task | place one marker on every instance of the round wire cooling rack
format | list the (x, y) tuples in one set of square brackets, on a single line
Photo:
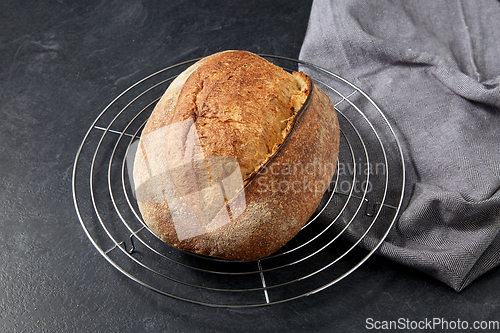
[(353, 219)]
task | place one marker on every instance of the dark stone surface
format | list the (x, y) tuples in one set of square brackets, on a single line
[(61, 63)]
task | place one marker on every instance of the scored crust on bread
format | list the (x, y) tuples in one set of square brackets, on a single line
[(235, 157)]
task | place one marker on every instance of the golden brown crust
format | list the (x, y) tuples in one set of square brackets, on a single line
[(227, 98), (240, 104)]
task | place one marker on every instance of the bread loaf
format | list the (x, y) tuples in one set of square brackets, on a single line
[(235, 157)]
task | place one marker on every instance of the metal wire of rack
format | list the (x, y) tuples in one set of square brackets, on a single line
[(355, 216)]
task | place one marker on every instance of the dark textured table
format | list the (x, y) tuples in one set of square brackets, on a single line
[(62, 62)]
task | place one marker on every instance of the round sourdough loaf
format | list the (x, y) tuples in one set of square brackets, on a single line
[(235, 157)]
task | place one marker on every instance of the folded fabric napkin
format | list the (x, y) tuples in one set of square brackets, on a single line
[(433, 68)]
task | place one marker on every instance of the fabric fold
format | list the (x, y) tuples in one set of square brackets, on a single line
[(433, 69)]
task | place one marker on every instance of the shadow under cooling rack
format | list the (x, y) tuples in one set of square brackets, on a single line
[(353, 219)]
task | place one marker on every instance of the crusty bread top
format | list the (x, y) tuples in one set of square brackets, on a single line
[(241, 104)]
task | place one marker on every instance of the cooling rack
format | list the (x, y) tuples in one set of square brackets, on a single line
[(356, 213)]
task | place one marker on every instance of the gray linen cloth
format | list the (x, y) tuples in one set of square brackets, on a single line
[(433, 67)]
